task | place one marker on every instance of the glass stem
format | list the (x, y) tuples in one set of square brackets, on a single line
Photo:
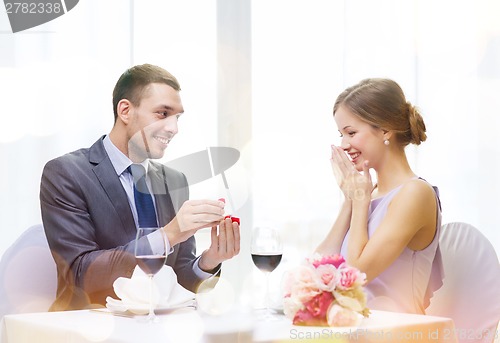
[(151, 311), (268, 298)]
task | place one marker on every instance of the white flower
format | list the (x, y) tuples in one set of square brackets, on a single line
[(339, 316), (291, 306), (348, 302)]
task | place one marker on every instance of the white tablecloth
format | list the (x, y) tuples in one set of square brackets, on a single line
[(192, 326)]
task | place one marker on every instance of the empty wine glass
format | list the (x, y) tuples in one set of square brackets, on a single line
[(150, 259), (267, 251)]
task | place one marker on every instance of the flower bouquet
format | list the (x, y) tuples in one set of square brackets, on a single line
[(325, 291)]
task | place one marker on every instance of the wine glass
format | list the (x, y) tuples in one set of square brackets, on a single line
[(150, 259), (266, 250)]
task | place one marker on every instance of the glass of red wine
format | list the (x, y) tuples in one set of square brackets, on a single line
[(266, 250), (150, 255)]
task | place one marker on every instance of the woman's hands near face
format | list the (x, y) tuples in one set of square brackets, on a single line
[(355, 185)]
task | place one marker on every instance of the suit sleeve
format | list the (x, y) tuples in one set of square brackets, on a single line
[(185, 255), (86, 270)]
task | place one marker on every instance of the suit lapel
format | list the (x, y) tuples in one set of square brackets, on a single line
[(111, 185), (164, 205)]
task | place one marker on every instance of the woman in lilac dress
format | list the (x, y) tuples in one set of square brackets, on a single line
[(389, 229)]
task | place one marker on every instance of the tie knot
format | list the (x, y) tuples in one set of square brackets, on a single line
[(137, 171)]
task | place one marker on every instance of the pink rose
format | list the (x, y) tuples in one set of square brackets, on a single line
[(327, 276), (315, 310), (349, 277), (301, 284), (335, 260)]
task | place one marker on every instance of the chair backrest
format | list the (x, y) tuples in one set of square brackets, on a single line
[(28, 276), (470, 294)]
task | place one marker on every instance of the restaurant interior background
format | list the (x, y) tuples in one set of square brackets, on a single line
[(261, 77)]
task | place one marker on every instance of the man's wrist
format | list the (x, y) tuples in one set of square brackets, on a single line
[(208, 268), (169, 234), (213, 270)]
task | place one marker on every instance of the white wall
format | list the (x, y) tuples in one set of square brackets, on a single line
[(445, 55)]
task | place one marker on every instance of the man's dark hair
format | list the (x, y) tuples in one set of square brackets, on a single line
[(133, 83)]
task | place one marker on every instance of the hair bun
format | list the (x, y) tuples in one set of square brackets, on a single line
[(417, 125)]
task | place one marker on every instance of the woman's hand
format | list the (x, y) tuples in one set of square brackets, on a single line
[(356, 186)]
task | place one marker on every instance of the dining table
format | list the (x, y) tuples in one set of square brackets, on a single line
[(186, 325)]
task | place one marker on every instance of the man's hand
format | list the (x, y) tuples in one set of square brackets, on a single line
[(225, 245), (192, 216)]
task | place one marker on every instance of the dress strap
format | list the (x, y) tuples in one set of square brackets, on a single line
[(436, 191)]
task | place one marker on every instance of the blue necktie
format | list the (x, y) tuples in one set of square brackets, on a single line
[(143, 201)]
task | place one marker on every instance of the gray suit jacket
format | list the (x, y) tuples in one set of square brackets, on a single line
[(90, 227)]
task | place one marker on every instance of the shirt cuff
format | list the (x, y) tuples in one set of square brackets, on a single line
[(202, 274), (157, 246)]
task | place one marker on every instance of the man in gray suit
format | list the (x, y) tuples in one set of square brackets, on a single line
[(87, 198)]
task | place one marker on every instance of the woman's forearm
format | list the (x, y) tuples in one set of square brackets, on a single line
[(358, 233), (333, 241)]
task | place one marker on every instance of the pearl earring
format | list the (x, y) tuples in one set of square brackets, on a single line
[(386, 142)]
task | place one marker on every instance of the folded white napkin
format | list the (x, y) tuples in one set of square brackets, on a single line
[(134, 292)]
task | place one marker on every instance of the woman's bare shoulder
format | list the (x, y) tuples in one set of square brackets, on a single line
[(418, 191)]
